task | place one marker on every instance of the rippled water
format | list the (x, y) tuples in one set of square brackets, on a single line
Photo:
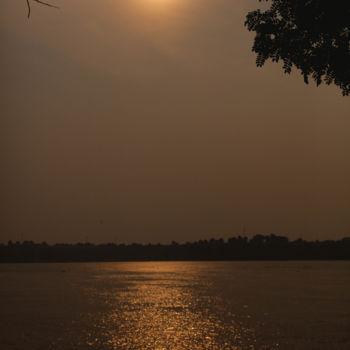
[(175, 305)]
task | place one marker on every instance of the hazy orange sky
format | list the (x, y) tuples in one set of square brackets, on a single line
[(148, 121)]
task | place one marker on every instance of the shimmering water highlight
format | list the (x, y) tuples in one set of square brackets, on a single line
[(176, 305)]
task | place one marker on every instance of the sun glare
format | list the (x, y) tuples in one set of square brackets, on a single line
[(161, 3)]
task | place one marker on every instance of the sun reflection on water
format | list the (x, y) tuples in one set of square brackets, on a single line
[(188, 305), (162, 309)]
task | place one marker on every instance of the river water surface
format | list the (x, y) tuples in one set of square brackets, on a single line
[(175, 305)]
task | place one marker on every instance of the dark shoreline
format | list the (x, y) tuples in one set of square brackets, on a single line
[(259, 248), (18, 262)]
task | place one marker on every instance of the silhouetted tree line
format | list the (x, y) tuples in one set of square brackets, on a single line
[(260, 247)]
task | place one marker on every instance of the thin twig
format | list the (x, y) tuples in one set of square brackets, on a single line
[(28, 5), (45, 3), (39, 2)]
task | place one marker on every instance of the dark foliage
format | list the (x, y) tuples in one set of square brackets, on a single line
[(312, 35), (260, 247)]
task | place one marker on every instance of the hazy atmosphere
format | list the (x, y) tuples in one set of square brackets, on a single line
[(148, 121)]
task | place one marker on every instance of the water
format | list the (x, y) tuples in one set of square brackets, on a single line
[(175, 305)]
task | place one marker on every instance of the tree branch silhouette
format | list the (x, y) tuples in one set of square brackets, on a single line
[(312, 35), (39, 2)]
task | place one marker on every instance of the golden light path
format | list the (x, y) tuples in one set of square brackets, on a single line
[(160, 307)]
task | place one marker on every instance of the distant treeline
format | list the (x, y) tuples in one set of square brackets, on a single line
[(260, 247)]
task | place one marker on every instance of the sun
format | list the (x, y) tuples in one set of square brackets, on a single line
[(159, 6), (161, 2)]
